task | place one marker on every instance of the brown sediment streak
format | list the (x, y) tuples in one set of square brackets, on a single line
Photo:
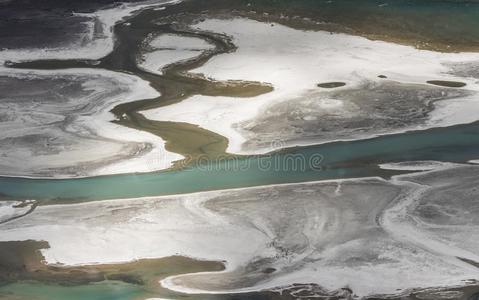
[(175, 85), (331, 85), (445, 83), (469, 261), (22, 260), (24, 203)]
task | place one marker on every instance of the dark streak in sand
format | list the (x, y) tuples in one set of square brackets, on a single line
[(175, 85), (22, 260), (445, 83), (331, 85), (32, 208)]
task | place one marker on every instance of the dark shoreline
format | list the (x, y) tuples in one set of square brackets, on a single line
[(396, 22), (175, 84)]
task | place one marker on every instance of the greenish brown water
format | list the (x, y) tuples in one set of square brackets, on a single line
[(24, 275)]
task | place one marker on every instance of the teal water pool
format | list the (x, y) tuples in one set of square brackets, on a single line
[(328, 161)]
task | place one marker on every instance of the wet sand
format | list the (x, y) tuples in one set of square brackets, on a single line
[(58, 125), (297, 113), (21, 261), (336, 238), (11, 210), (205, 142), (176, 84)]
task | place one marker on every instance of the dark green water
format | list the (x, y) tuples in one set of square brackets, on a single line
[(334, 160), (453, 23)]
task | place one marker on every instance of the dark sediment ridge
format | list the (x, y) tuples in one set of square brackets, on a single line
[(331, 85), (22, 261), (445, 83), (175, 84)]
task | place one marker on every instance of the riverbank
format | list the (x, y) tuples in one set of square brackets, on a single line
[(297, 112), (181, 133), (387, 230)]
